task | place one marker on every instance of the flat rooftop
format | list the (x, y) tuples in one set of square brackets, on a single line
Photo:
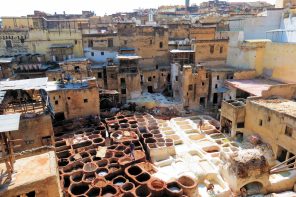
[(284, 106), (24, 84), (252, 86), (53, 85), (30, 170)]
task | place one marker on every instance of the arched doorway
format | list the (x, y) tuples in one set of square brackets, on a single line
[(252, 188)]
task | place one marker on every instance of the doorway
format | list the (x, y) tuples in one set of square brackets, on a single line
[(215, 98), (252, 188), (59, 116), (150, 89)]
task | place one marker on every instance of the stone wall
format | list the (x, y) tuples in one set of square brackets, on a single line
[(76, 102)]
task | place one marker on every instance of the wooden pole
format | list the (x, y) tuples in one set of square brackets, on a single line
[(280, 164)]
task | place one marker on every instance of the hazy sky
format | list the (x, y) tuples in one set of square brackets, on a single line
[(24, 7)]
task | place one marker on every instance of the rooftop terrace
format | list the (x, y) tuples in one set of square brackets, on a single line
[(284, 106), (254, 87), (40, 168)]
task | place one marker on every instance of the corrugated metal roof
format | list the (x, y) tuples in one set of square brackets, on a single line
[(128, 56), (2, 94), (6, 59), (26, 84), (9, 122), (181, 51), (61, 46)]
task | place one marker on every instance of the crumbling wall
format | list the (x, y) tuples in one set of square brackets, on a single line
[(34, 131), (287, 91), (18, 42), (76, 102), (194, 85), (211, 50), (155, 78)]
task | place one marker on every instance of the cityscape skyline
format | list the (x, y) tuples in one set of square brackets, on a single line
[(27, 7)]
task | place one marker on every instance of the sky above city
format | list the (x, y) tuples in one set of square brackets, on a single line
[(24, 7)]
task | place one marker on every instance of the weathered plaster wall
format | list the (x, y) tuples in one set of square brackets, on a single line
[(76, 102), (158, 80), (287, 91), (210, 50), (178, 31), (39, 41), (193, 85), (151, 43), (17, 39), (32, 130), (133, 85), (204, 33), (273, 126), (280, 59)]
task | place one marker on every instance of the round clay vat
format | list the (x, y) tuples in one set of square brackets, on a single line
[(142, 129), (119, 181), (124, 160), (160, 140), (174, 189), (134, 126), (113, 160), (122, 121), (99, 182), (156, 187), (143, 178), (149, 140), (134, 170), (102, 163), (152, 145), (152, 126), (109, 154), (109, 191), (147, 135), (142, 190), (160, 144), (101, 128), (120, 148), (119, 154), (99, 141), (112, 147), (120, 117), (63, 162), (89, 177), (86, 160), (92, 152), (188, 185), (128, 186), (155, 131), (95, 191), (101, 172), (73, 167), (157, 136), (124, 125), (77, 189), (90, 167), (113, 167), (132, 122)]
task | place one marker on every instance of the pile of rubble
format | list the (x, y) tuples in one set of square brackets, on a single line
[(244, 162)]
